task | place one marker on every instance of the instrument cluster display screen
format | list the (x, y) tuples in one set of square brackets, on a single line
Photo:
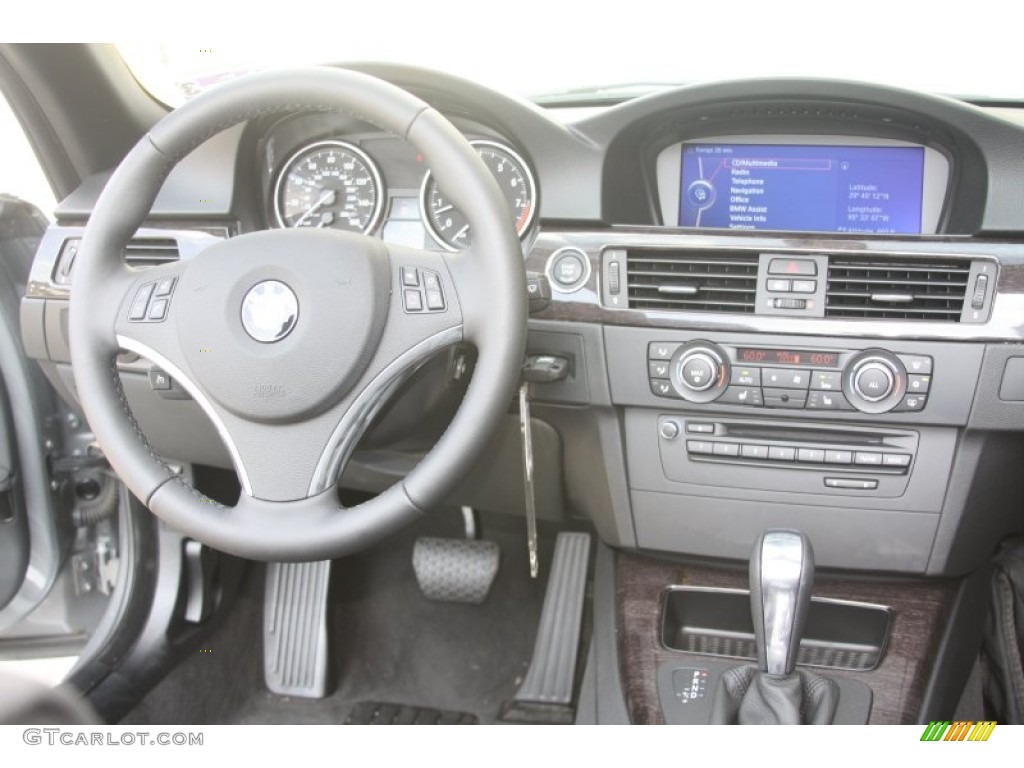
[(762, 356), (805, 188)]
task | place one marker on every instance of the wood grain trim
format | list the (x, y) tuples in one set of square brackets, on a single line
[(919, 612)]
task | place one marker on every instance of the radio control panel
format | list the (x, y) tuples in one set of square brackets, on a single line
[(770, 454), (871, 381)]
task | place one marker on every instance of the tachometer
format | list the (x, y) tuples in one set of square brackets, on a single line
[(450, 228), (330, 184)]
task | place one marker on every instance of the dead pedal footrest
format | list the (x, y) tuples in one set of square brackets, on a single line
[(549, 680)]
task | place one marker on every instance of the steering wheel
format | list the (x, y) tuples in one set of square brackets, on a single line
[(291, 340)]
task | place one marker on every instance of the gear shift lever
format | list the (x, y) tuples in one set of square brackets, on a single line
[(775, 692), (781, 578)]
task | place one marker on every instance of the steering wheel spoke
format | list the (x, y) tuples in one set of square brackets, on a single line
[(145, 316), (424, 317)]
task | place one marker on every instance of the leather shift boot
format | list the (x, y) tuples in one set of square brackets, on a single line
[(747, 696)]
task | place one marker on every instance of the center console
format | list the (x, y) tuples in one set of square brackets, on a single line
[(823, 383)]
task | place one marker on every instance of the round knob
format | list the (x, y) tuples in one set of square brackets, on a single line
[(873, 380), (698, 371), (669, 430)]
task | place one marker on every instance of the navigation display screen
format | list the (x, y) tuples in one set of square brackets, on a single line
[(806, 188)]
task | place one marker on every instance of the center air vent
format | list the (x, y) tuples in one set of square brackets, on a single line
[(691, 281), (151, 251), (932, 290)]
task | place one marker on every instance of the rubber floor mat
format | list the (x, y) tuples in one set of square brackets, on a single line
[(374, 713)]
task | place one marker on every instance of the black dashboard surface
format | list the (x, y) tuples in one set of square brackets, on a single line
[(600, 168)]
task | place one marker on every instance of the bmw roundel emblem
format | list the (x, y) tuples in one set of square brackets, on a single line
[(269, 311)]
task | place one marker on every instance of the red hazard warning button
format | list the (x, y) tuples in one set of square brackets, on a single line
[(792, 267)]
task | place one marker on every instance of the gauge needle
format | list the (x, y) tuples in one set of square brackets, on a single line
[(523, 218), (326, 198)]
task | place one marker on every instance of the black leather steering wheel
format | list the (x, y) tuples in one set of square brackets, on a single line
[(291, 340)]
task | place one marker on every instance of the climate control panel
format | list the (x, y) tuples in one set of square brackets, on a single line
[(870, 381)]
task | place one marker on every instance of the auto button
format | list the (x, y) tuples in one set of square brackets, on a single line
[(746, 377)]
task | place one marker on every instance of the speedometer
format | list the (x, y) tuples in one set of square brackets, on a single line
[(450, 228), (329, 184)]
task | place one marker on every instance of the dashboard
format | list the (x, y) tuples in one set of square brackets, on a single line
[(782, 302)]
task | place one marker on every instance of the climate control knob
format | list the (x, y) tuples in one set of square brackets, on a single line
[(699, 371), (874, 381)]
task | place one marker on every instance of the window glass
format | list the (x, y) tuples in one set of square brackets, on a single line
[(20, 172), (536, 48)]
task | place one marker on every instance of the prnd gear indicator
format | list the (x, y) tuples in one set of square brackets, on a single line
[(689, 684)]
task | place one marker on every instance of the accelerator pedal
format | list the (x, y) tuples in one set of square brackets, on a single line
[(295, 629), (546, 694), (455, 570)]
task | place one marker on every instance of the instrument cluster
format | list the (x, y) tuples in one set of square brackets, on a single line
[(374, 184)]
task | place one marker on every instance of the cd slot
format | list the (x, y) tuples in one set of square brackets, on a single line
[(800, 435)]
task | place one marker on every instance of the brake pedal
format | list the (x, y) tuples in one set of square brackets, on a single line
[(455, 570), (295, 629)]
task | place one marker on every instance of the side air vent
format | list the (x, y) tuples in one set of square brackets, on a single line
[(149, 248), (931, 290), (140, 252), (151, 251), (691, 281)]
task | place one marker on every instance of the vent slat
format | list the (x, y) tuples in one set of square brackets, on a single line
[(720, 289), (701, 302), (693, 262), (877, 266), (677, 275), (917, 296), (892, 311), (151, 251), (933, 290), (721, 284), (906, 283)]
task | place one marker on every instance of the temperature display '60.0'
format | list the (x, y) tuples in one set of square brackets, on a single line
[(761, 356)]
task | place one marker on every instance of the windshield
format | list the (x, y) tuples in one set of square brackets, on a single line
[(578, 54)]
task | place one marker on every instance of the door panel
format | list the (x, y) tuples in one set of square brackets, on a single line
[(13, 523), (29, 542)]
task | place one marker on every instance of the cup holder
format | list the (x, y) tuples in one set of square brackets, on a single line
[(711, 621)]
